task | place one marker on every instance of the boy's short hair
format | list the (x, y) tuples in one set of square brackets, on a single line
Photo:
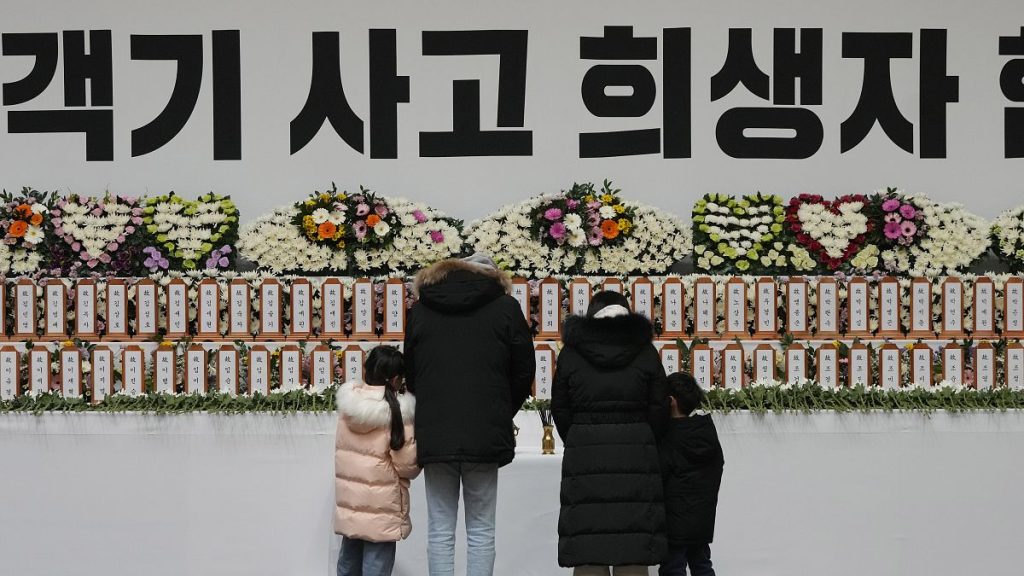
[(688, 394)]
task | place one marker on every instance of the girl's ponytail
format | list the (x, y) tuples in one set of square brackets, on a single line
[(382, 366), (397, 426)]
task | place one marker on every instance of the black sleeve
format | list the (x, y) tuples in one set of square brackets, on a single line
[(524, 362), (658, 407), (409, 352), (561, 400)]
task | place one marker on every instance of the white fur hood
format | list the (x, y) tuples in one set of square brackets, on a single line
[(365, 406)]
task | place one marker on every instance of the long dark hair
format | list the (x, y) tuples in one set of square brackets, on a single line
[(604, 299), (382, 365)]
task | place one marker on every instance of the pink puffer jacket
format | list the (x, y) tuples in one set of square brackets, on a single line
[(372, 480)]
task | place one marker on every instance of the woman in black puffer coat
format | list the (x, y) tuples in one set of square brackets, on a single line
[(610, 404)]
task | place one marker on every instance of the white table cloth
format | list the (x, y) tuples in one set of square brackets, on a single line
[(129, 494)]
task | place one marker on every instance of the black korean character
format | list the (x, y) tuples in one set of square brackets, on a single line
[(877, 103), (95, 65), (790, 64), (186, 50), (618, 43), (1011, 81), (327, 102), (466, 138)]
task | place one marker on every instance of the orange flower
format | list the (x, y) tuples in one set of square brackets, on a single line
[(18, 228), (372, 220), (610, 229), (24, 210), (36, 219), (326, 230)]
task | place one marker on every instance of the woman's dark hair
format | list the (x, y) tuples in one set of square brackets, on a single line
[(603, 299), (684, 388), (382, 365)]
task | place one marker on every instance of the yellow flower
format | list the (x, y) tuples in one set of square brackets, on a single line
[(310, 203), (619, 208), (325, 197), (607, 198), (743, 265), (910, 345), (167, 343), (836, 343), (625, 225), (588, 198), (68, 343)]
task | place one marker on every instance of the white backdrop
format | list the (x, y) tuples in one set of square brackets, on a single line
[(275, 71), (886, 494)]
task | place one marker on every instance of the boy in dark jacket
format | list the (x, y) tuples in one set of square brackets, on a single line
[(691, 466)]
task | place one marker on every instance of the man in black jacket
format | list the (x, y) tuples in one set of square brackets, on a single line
[(691, 464), (470, 362)]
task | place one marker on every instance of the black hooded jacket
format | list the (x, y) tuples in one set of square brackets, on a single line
[(692, 464), (610, 403), (469, 360)]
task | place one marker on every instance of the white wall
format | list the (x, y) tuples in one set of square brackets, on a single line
[(275, 38)]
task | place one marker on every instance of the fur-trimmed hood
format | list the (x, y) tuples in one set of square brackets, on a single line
[(455, 285), (365, 408), (608, 342)]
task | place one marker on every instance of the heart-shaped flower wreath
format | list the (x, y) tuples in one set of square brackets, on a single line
[(832, 230), (190, 234), (100, 234)]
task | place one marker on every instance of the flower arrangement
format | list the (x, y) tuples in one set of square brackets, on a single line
[(831, 231), (582, 217), (1008, 238), (184, 234), (744, 235), (97, 234), (520, 236), (954, 239), (899, 219), (363, 233), (340, 221), (25, 221)]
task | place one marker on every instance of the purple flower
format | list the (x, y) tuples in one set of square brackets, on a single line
[(572, 203), (381, 210), (553, 214), (908, 211), (362, 209), (105, 258), (112, 246), (419, 216), (76, 246), (909, 228), (437, 236), (891, 205), (595, 205), (360, 229), (892, 217), (893, 231), (120, 239), (557, 230), (225, 249), (593, 219), (595, 237), (129, 229)]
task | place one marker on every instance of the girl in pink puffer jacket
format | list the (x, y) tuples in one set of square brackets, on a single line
[(374, 460)]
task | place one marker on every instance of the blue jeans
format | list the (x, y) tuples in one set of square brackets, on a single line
[(480, 492), (697, 557), (362, 558)]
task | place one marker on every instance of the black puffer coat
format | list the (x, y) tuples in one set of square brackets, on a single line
[(469, 360), (610, 402), (692, 464)]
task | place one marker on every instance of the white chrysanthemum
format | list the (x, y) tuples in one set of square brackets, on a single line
[(1008, 233)]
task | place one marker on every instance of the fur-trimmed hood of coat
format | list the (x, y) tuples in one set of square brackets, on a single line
[(365, 408), (456, 286), (608, 342)]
